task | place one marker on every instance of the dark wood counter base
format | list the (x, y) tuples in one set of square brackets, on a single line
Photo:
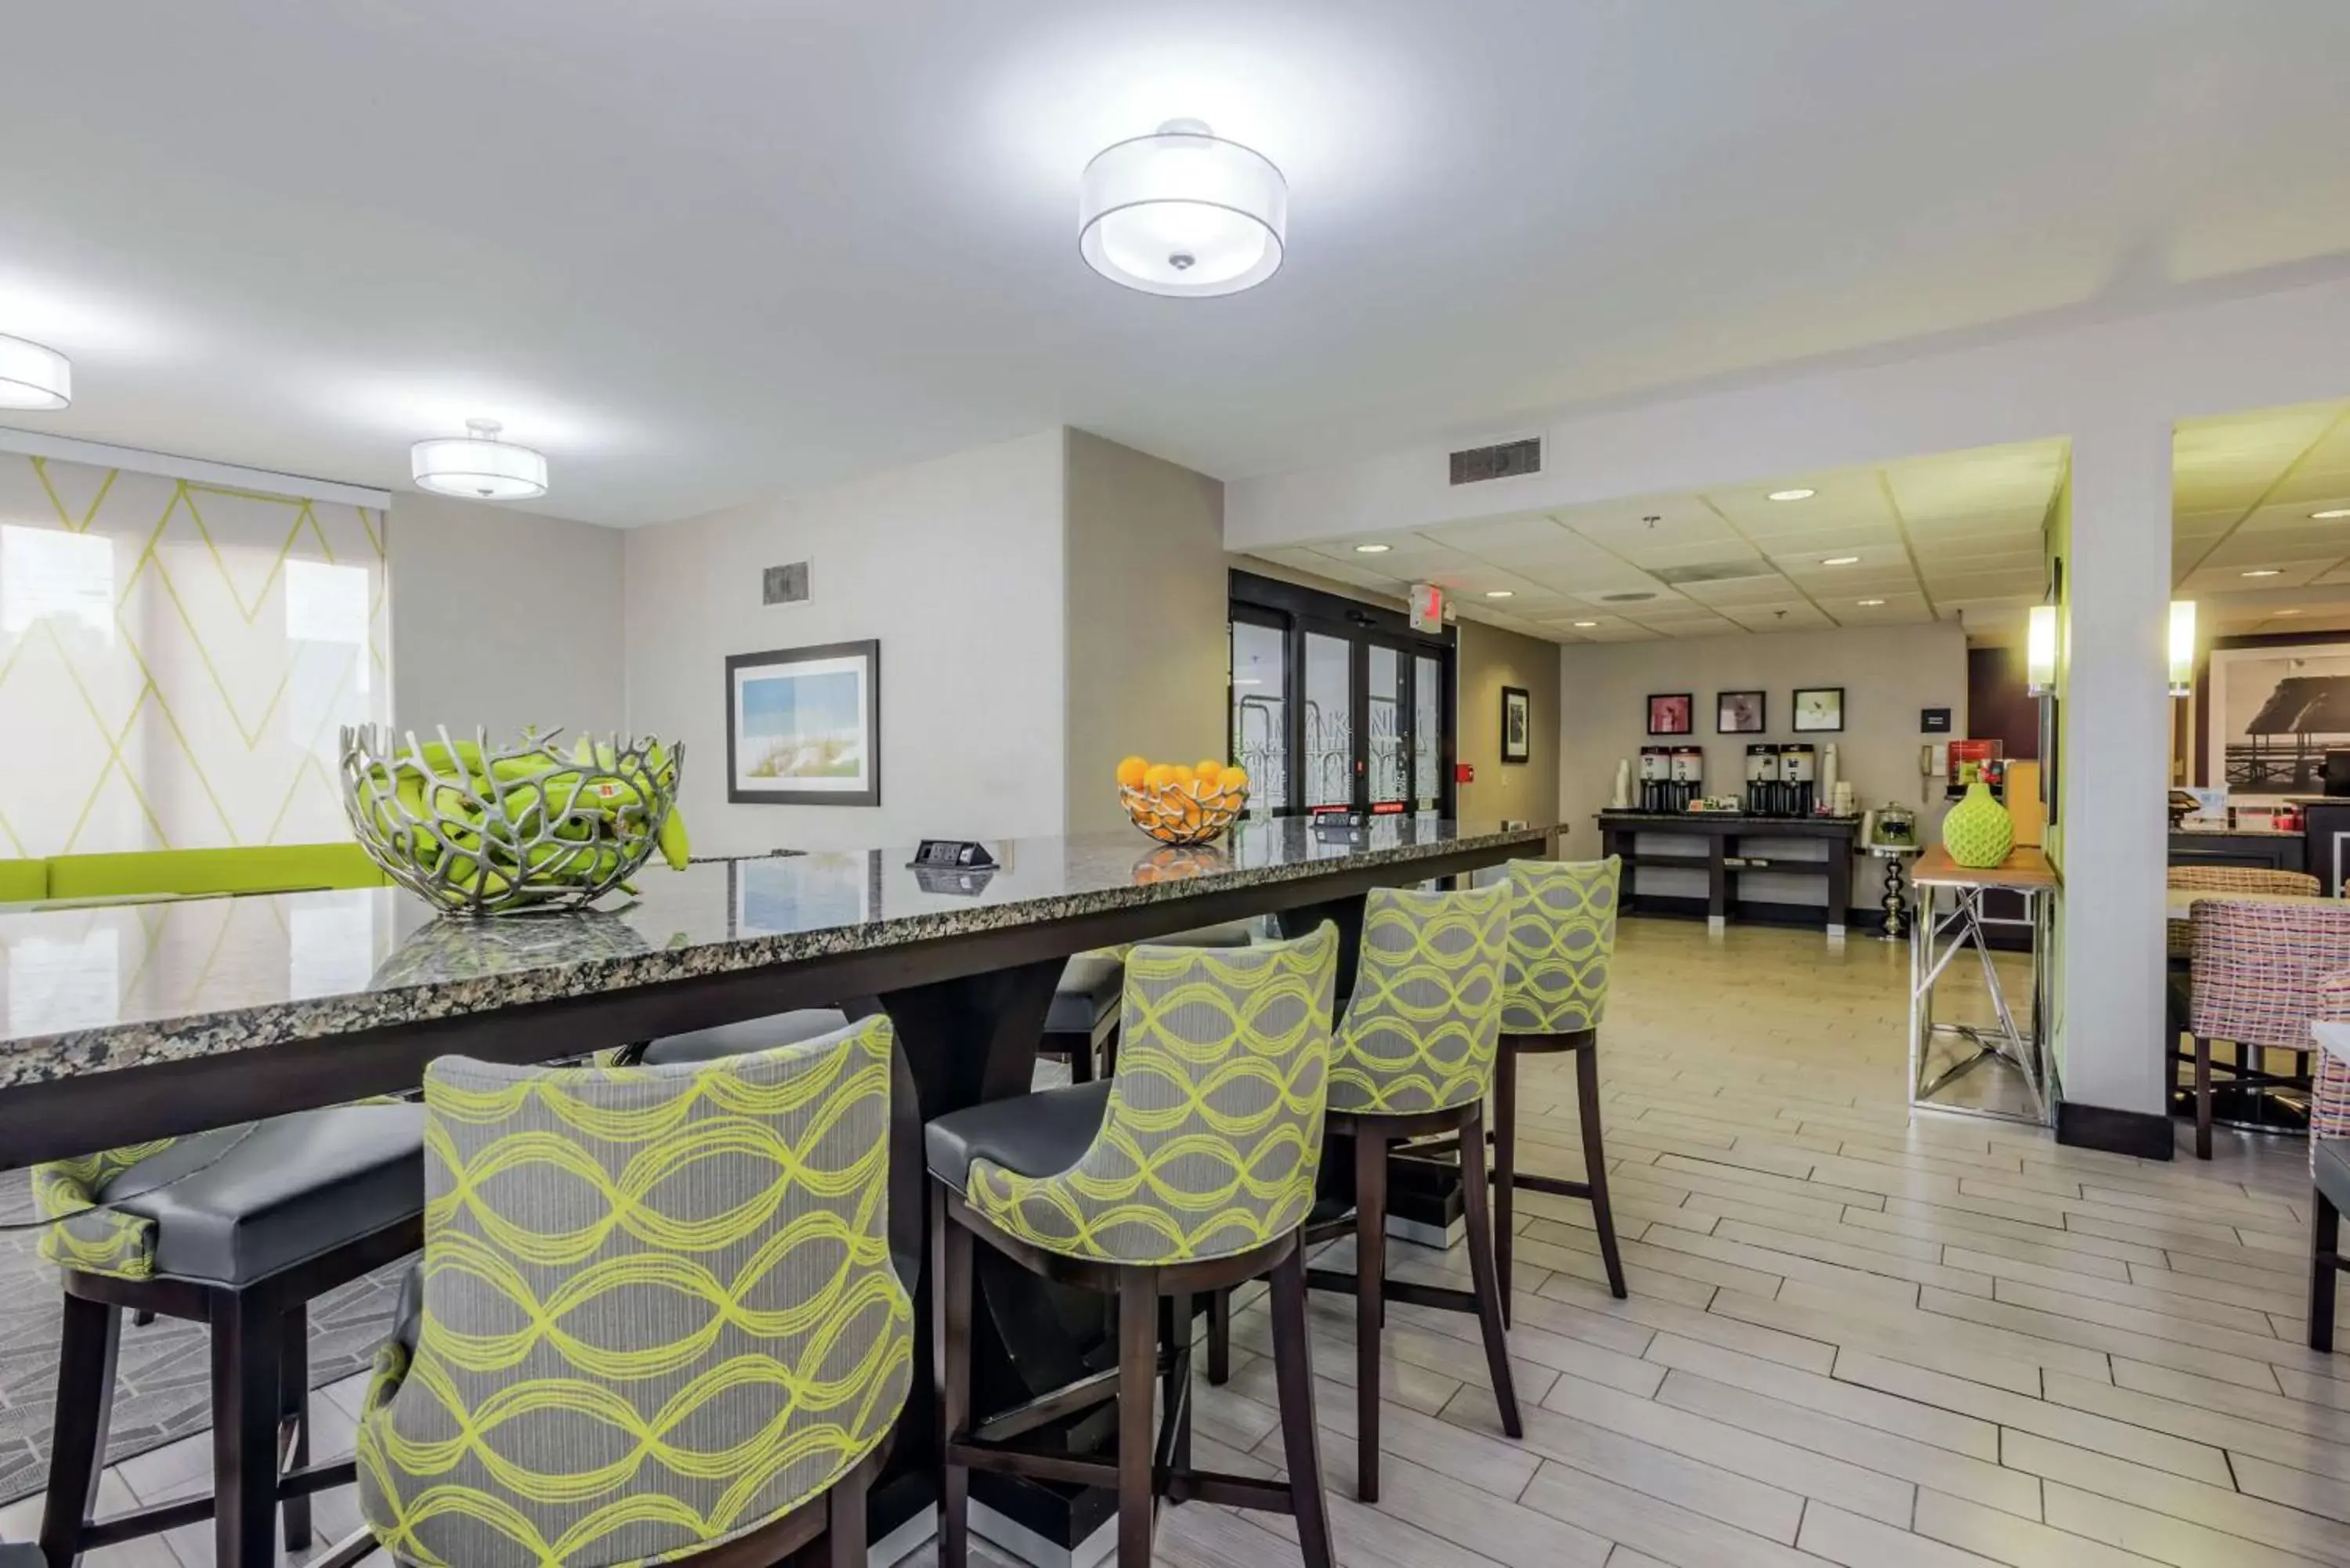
[(1721, 851)]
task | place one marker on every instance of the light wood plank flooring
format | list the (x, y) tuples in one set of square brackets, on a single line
[(1851, 1339)]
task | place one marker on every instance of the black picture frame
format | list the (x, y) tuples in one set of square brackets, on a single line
[(1518, 707), (864, 658), (1688, 713), (1816, 727), (1753, 718)]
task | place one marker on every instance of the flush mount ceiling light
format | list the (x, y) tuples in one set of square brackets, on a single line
[(1182, 212), (2332, 513), (1841, 561), (1585, 625), (478, 466), (1796, 494), (2261, 572), (33, 375), (1868, 604), (1373, 549)]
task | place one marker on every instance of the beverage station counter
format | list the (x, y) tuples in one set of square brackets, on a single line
[(1726, 846)]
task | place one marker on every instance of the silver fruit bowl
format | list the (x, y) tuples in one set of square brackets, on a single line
[(474, 829)]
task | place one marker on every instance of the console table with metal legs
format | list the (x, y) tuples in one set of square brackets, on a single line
[(1950, 920)]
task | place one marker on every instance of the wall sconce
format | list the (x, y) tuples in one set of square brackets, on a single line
[(2182, 647), (2040, 652)]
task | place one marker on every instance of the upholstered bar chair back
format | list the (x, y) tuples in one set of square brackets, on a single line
[(2329, 1110), (1213, 1133), (658, 1309), (1425, 1020), (1562, 942), (2181, 940), (2258, 968)]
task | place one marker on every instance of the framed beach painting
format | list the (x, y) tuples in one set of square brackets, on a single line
[(804, 726)]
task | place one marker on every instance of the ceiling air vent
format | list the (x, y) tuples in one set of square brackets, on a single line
[(1510, 460), (1717, 572), (1638, 597)]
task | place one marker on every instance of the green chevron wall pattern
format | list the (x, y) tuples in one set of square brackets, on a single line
[(176, 657)]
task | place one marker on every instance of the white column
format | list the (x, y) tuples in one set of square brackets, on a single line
[(2115, 770)]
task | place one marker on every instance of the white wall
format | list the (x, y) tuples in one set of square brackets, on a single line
[(502, 619), (1147, 597), (956, 565), (1887, 674)]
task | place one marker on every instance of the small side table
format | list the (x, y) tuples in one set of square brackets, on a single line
[(1897, 888), (1950, 920)]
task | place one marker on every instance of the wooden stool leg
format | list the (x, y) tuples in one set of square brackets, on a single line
[(2202, 1097), (1081, 1062), (245, 1432), (2325, 1251), (1293, 1370), (1137, 1376), (294, 1416), (1595, 1162), (951, 1312), (1371, 1270), (93, 1332), (1220, 1337), (1505, 1167), (843, 1532), (1482, 1271)]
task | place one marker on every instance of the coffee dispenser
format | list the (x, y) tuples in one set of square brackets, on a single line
[(1799, 773), (1656, 777), (1687, 776), (1761, 780)]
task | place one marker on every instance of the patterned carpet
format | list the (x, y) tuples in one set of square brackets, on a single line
[(164, 1367)]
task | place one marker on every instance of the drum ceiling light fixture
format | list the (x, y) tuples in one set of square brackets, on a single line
[(478, 466), (1183, 213), (33, 375)]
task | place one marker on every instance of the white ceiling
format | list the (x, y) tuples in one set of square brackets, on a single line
[(2243, 490), (1955, 536), (708, 248)]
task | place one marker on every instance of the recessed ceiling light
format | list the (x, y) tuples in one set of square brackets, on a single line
[(1373, 549), (1841, 561), (478, 465), (33, 377), (1182, 212), (2261, 572), (1499, 593), (1792, 494), (1868, 604), (2285, 612), (1585, 625), (2331, 513)]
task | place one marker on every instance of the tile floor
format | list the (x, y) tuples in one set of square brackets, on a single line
[(1850, 1340)]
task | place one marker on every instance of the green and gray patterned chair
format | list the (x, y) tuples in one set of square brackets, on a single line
[(1415, 1060), (1189, 1170), (1561, 942), (656, 1321)]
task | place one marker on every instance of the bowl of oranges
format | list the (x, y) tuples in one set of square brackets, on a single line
[(1176, 803)]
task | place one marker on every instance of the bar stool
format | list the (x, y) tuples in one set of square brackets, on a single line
[(2256, 983), (656, 1318), (1082, 1026), (741, 1039), (1562, 940), (255, 1223), (1189, 1170), (1415, 1059)]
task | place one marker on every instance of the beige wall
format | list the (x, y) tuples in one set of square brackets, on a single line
[(1888, 673), (1147, 596), (954, 564), (504, 619), (1488, 659)]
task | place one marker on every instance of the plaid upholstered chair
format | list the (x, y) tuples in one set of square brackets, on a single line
[(2329, 1165), (2229, 879), (2255, 978), (657, 1319), (1189, 1170)]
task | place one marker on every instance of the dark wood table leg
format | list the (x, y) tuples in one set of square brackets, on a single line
[(1839, 884), (1717, 880)]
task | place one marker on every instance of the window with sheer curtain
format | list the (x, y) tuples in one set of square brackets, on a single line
[(176, 659)]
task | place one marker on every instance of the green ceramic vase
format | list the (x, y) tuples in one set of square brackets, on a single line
[(1977, 832)]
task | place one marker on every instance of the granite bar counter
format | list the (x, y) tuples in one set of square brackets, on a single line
[(135, 1021)]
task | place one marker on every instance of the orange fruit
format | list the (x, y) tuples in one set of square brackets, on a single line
[(1131, 771), (1233, 779), (1206, 773), (1180, 776), (1158, 776)]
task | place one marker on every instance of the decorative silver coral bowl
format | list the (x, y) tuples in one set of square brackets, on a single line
[(480, 830)]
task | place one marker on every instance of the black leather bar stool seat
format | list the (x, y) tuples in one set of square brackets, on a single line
[(743, 1039), (238, 1229)]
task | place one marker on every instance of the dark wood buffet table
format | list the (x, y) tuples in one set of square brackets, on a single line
[(130, 1022), (1722, 850)]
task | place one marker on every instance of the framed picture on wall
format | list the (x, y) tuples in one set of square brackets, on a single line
[(1669, 714), (1819, 709), (804, 726), (1517, 724), (1740, 712)]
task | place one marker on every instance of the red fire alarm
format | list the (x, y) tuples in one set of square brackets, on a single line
[(1464, 773)]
